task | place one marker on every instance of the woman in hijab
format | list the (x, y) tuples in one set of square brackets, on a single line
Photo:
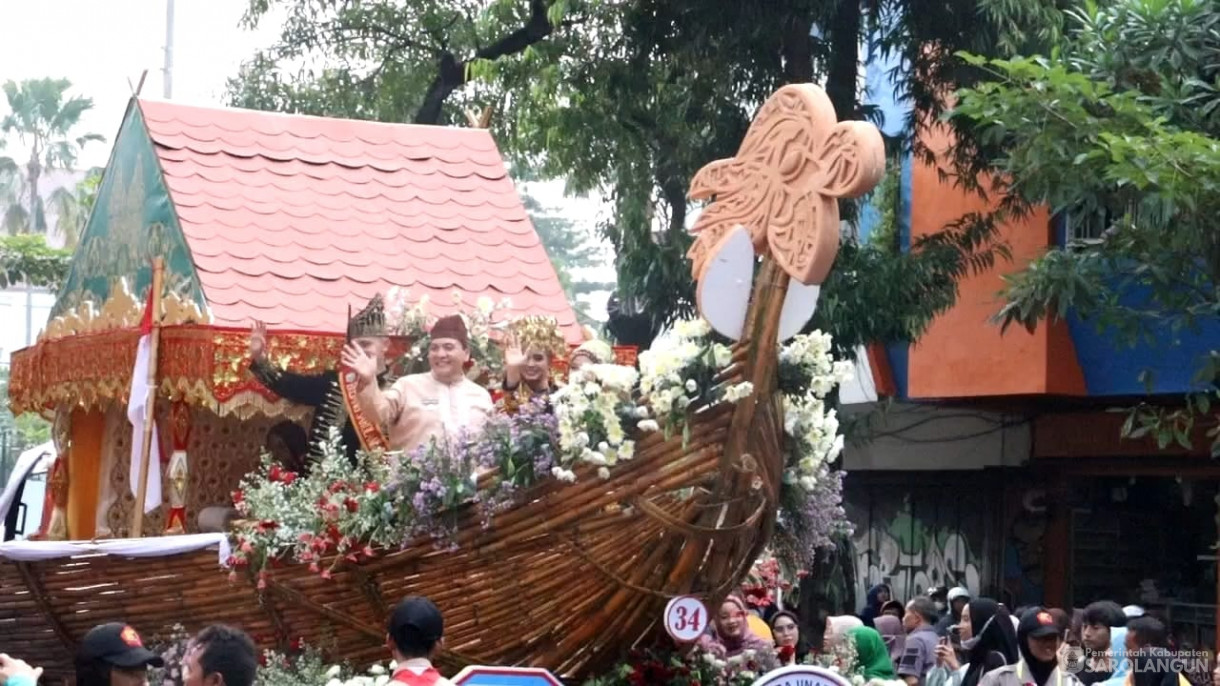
[(838, 626), (877, 596), (1038, 641), (894, 609), (789, 646), (890, 628), (988, 639), (732, 635), (871, 654)]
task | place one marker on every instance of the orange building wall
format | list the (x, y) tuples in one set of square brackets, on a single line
[(963, 353)]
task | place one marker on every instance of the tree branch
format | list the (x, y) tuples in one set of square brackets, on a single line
[(452, 71)]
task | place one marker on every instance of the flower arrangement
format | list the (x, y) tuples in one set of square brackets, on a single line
[(305, 666), (679, 374), (413, 320), (171, 649), (338, 509), (811, 498), (591, 411), (521, 449), (668, 667), (765, 584)]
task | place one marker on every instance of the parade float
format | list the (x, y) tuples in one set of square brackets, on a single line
[(642, 485)]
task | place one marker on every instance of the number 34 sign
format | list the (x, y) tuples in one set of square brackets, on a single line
[(685, 619)]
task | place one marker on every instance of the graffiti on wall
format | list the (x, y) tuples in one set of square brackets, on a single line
[(910, 556)]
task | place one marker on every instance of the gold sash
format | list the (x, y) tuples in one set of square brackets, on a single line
[(372, 438)]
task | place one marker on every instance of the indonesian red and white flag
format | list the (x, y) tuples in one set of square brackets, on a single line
[(137, 414)]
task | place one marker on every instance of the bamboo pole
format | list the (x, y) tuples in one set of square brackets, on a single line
[(158, 275)]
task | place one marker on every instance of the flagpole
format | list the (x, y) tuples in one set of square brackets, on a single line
[(137, 524)]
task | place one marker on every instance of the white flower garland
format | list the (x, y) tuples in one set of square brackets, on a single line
[(668, 370), (806, 418), (589, 411)]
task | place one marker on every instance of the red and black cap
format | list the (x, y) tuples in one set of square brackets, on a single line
[(1038, 623), (119, 645)]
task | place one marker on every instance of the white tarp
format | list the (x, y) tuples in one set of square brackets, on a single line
[(160, 546)]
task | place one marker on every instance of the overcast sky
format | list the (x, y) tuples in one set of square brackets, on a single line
[(101, 45)]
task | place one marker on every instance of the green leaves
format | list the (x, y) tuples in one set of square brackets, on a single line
[(1114, 128), (28, 259)]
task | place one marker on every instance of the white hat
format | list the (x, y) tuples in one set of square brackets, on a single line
[(1133, 611), (958, 592)]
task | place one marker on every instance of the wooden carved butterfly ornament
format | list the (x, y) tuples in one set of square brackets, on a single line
[(779, 197)]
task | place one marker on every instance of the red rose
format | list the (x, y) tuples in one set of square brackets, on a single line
[(372, 487), (289, 477), (238, 496), (351, 505), (275, 473)]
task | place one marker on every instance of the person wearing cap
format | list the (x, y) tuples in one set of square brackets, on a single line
[(440, 403), (1038, 640), (957, 598), (413, 635), (367, 331), (220, 656), (113, 655)]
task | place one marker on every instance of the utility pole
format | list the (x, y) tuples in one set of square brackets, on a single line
[(168, 69)]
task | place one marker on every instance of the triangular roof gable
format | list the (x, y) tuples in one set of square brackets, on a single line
[(290, 218), (131, 222)]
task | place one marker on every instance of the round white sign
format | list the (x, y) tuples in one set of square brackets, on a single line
[(802, 675), (685, 619)]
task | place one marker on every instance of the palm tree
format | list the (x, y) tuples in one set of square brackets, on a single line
[(43, 120), (72, 205)]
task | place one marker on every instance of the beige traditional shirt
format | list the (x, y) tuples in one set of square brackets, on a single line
[(418, 408)]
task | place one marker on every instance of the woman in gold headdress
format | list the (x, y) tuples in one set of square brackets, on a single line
[(529, 351)]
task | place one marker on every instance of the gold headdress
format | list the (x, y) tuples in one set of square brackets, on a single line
[(369, 322), (539, 332)]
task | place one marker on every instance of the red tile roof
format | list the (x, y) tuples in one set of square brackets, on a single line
[(291, 218)]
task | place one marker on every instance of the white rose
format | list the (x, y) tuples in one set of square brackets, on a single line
[(333, 671), (691, 386), (641, 412), (378, 669), (626, 451), (603, 472), (485, 304), (648, 425)]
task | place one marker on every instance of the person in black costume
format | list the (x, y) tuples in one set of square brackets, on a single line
[(366, 329)]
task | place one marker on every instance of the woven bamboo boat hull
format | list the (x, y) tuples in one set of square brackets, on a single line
[(564, 580)]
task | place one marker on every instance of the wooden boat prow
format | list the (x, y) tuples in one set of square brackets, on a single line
[(573, 573)]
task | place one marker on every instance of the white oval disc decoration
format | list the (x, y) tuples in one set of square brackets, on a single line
[(800, 302), (723, 293), (685, 619), (802, 675)]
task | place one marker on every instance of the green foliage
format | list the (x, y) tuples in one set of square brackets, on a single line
[(42, 119), (1120, 124), (624, 98), (27, 259)]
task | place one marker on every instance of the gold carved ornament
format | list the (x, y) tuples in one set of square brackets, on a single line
[(784, 183)]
